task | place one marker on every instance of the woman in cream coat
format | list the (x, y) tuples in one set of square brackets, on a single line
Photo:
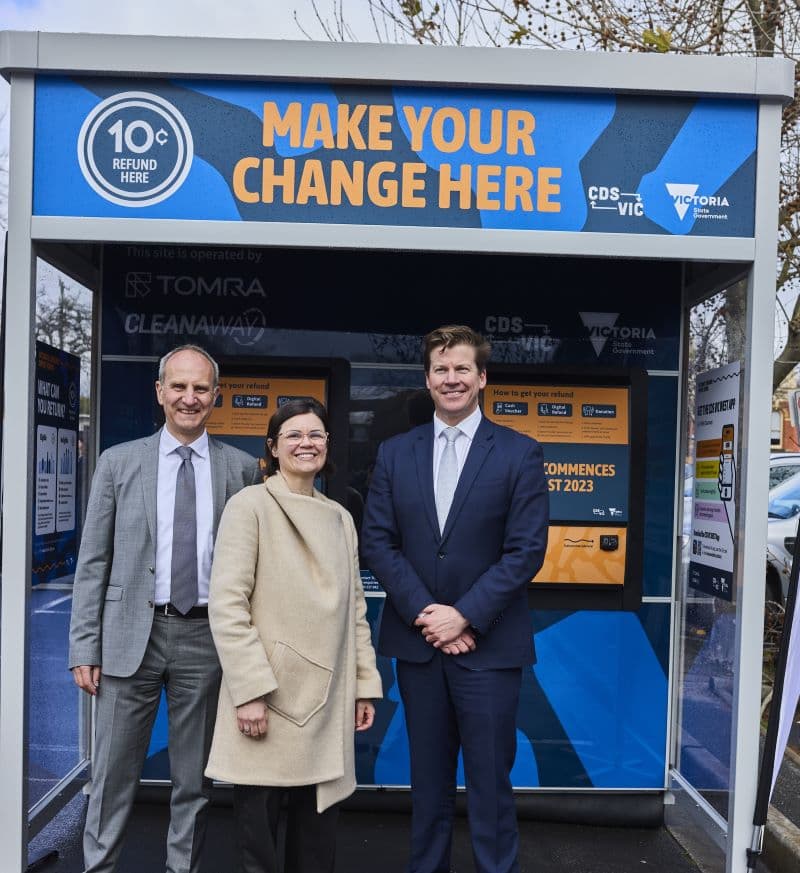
[(288, 614)]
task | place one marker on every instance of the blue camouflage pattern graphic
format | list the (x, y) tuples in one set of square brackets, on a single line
[(592, 710)]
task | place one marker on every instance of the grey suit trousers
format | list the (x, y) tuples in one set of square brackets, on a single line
[(180, 657)]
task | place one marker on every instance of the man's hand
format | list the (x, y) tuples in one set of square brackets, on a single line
[(440, 624), (365, 714), (87, 678), (252, 718), (460, 646)]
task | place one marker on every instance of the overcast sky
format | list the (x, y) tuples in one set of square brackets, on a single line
[(237, 18)]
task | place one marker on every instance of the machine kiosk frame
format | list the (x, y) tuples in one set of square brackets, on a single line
[(592, 424), (315, 201)]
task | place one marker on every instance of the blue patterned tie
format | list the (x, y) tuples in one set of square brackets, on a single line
[(183, 593), (447, 478)]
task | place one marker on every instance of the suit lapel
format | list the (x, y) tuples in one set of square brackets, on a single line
[(149, 471), (482, 444), (423, 454), (218, 479)]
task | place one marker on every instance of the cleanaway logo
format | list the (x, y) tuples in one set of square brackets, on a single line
[(682, 196), (600, 326)]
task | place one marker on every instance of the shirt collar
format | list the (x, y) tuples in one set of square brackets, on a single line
[(468, 426), (168, 443)]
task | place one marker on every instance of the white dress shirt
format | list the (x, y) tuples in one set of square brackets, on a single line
[(168, 462), (468, 428)]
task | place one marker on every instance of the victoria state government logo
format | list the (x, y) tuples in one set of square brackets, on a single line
[(625, 339), (704, 206), (135, 149)]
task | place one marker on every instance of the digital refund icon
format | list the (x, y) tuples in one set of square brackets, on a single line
[(135, 149)]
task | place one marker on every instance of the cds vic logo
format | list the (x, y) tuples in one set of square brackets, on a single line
[(135, 149)]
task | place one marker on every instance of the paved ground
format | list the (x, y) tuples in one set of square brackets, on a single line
[(376, 843), (786, 798), (782, 838)]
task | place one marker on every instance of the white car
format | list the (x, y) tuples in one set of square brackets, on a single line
[(782, 529), (784, 512), (783, 465)]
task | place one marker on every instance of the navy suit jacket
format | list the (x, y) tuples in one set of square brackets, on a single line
[(492, 545)]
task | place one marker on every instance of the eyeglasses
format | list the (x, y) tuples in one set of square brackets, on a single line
[(295, 437)]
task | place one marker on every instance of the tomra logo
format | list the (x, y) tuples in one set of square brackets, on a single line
[(138, 284), (682, 196)]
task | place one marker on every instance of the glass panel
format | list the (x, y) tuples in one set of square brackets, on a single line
[(57, 714), (371, 309), (707, 639), (779, 471)]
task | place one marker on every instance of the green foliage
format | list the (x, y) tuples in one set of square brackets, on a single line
[(658, 39)]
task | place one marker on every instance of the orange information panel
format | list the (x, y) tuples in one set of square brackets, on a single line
[(245, 404), (593, 555), (709, 448), (585, 432), (561, 414)]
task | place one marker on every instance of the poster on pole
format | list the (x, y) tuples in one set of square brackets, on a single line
[(55, 475), (714, 495)]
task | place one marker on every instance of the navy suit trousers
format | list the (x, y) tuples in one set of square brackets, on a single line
[(449, 706)]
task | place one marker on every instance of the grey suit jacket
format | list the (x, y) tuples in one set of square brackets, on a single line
[(114, 589)]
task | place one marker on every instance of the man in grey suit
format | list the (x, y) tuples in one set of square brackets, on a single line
[(140, 614)]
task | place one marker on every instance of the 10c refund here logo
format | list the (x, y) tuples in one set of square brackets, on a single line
[(135, 149)]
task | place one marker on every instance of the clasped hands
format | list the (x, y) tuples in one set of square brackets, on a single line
[(445, 628)]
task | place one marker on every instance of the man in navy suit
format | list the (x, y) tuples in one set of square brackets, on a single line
[(455, 528)]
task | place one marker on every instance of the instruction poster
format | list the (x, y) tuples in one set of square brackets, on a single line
[(714, 496), (56, 408), (585, 435), (244, 404)]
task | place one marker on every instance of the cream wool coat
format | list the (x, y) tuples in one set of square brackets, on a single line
[(288, 616)]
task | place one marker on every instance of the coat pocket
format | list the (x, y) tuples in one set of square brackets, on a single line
[(114, 592), (303, 684)]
